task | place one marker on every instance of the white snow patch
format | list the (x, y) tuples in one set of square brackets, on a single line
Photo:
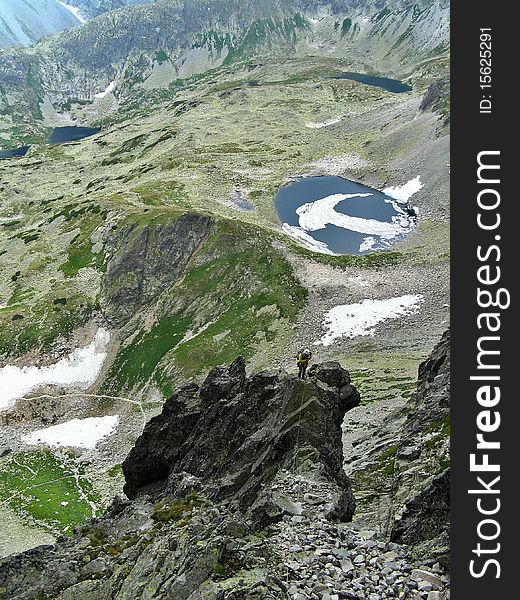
[(317, 215), (351, 320), (79, 369), (74, 10), (403, 193), (367, 244), (77, 433), (306, 240), (320, 125), (111, 87)]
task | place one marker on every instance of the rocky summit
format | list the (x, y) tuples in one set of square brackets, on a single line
[(235, 490)]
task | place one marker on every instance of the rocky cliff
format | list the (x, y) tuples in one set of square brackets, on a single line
[(401, 470), (423, 485), (214, 469), (237, 491)]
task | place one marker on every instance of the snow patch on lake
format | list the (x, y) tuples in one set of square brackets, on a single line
[(317, 215), (74, 10), (320, 125), (306, 240), (79, 369), (367, 244), (110, 88), (77, 433), (403, 193), (351, 320)]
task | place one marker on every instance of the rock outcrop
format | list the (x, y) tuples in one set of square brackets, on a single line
[(232, 438), (400, 469), (147, 259), (423, 455), (219, 465)]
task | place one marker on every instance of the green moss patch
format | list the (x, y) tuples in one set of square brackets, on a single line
[(178, 511), (48, 488), (136, 362)]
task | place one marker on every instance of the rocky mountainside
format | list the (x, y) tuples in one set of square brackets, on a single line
[(154, 45), (236, 491), (93, 8), (24, 23), (402, 468), (135, 260), (422, 492)]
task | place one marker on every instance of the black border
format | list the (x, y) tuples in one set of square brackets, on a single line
[(473, 132)]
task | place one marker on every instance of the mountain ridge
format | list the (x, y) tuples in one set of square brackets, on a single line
[(221, 485), (179, 40)]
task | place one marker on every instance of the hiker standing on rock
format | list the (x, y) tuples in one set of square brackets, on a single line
[(303, 359)]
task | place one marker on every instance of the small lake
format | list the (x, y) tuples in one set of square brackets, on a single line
[(22, 151), (333, 215), (390, 85), (61, 135), (238, 200)]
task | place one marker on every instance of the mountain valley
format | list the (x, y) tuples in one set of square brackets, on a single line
[(136, 260)]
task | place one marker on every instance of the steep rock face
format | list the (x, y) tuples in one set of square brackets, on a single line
[(231, 438), (146, 260), (423, 453), (400, 469), (203, 477)]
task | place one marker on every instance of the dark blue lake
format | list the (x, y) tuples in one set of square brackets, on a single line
[(322, 209), (390, 85), (14, 152), (61, 135)]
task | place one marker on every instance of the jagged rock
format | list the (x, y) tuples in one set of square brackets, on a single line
[(409, 453), (216, 464), (423, 522), (236, 433), (437, 98), (430, 403), (426, 514), (180, 485), (422, 575)]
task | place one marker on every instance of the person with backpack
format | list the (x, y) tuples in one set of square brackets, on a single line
[(303, 359)]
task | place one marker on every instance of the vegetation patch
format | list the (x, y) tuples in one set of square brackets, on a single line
[(243, 276), (49, 488), (136, 362), (48, 321), (376, 260)]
